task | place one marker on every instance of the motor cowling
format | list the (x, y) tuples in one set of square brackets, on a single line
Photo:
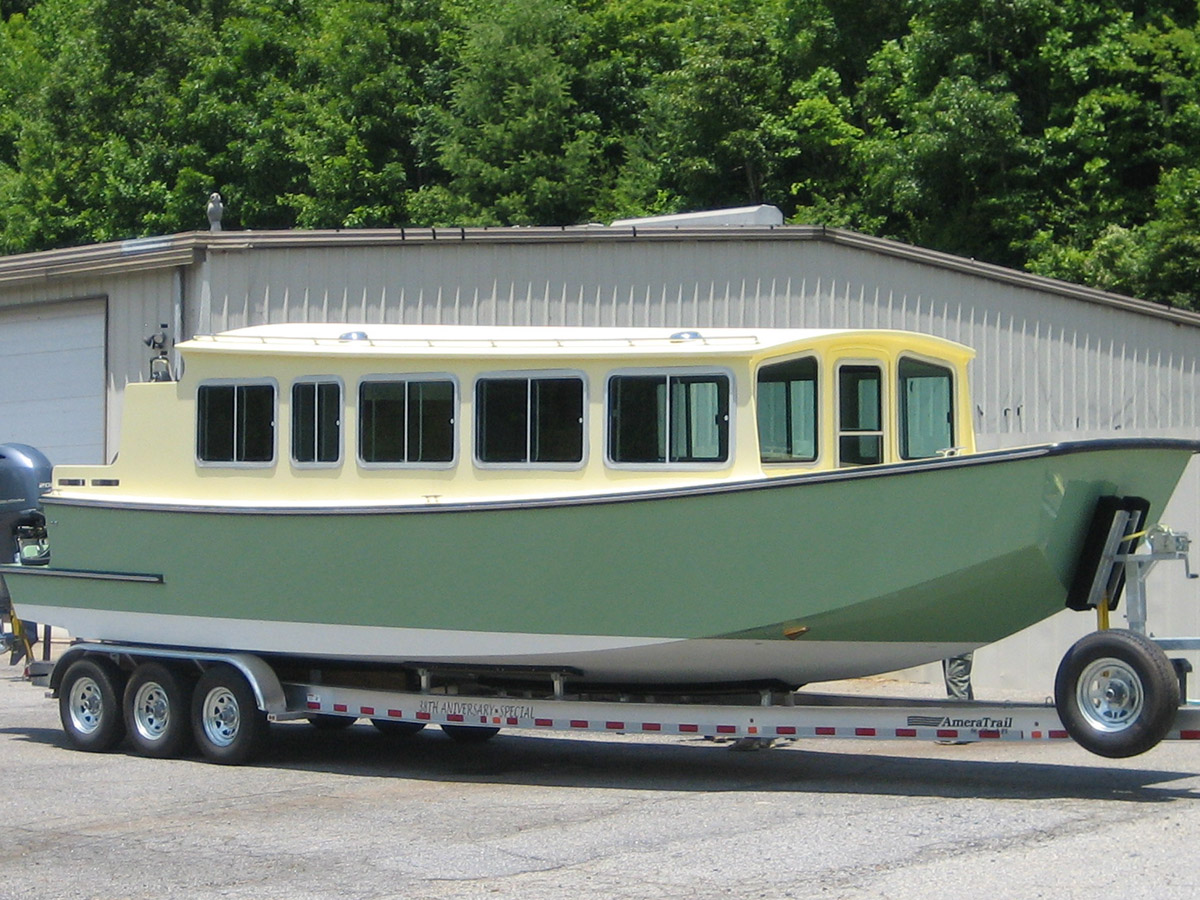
[(25, 474)]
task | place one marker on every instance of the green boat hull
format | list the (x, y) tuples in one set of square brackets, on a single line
[(795, 579)]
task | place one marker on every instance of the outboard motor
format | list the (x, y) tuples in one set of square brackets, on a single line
[(25, 474)]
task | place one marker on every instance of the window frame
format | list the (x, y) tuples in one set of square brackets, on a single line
[(885, 410), (530, 375), (669, 372), (818, 410), (901, 419), (341, 422), (406, 379), (273, 384)]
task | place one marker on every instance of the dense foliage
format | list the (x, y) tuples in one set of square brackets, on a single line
[(1061, 136)]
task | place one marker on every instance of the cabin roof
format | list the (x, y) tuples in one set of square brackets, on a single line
[(333, 339)]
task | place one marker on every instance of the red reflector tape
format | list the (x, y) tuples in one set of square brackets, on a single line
[(864, 732), (906, 732), (395, 714), (989, 733), (651, 726), (726, 729), (579, 723), (1189, 735), (615, 726), (689, 729), (544, 723), (454, 717), (947, 732), (340, 707), (424, 715), (785, 729), (366, 710), (825, 730), (512, 720), (1059, 735), (312, 705)]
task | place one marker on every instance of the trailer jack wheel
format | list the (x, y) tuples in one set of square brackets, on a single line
[(1116, 693), (228, 725)]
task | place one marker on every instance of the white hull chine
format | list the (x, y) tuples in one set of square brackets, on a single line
[(598, 658)]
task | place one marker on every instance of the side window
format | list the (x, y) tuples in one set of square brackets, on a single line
[(235, 423), (316, 421), (860, 415), (668, 418), (926, 406), (529, 420), (406, 421), (787, 411)]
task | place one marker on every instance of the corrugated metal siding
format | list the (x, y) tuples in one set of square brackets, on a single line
[(1046, 363), (1050, 366)]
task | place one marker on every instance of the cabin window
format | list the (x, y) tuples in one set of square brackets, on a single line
[(235, 423), (529, 420), (860, 415), (926, 405), (317, 421), (787, 411), (668, 418), (410, 421)]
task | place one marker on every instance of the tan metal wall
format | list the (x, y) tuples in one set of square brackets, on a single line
[(136, 303), (1050, 365), (1046, 363)]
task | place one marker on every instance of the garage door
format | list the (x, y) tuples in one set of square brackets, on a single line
[(52, 393)]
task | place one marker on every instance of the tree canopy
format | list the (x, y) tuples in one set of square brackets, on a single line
[(1058, 136)]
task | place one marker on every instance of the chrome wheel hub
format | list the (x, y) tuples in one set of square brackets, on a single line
[(1110, 695), (87, 705)]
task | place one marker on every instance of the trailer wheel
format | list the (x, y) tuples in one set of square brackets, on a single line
[(328, 722), (1116, 693), (156, 711), (228, 726), (399, 729), (89, 705), (470, 734)]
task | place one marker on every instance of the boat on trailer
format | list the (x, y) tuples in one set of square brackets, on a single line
[(639, 506)]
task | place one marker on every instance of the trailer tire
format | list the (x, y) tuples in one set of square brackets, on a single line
[(1116, 693), (228, 726), (470, 734), (89, 705), (397, 729), (328, 722), (156, 711)]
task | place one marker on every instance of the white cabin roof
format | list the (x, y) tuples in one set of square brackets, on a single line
[(335, 339)]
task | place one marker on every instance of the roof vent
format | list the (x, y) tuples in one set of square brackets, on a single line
[(353, 336), (680, 336)]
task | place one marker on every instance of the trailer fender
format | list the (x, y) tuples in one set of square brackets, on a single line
[(268, 691)]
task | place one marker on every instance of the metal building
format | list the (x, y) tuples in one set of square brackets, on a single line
[(1055, 361)]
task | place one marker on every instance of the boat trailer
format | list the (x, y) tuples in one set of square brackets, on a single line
[(1116, 692)]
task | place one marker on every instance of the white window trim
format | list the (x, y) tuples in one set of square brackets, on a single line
[(275, 428), (667, 465), (393, 378), (291, 444), (530, 375)]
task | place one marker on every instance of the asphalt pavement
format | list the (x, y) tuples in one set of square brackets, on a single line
[(356, 814)]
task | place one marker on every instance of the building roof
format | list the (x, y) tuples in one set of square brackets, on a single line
[(190, 247)]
